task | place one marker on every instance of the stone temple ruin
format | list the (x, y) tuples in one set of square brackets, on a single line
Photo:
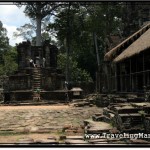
[(38, 77)]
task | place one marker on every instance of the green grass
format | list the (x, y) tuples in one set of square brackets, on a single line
[(11, 133)]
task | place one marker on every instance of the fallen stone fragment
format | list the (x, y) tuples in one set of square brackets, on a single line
[(94, 141), (75, 137), (76, 142), (46, 141), (51, 138), (25, 141)]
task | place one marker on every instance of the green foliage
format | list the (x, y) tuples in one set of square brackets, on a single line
[(26, 31), (4, 41), (37, 11), (73, 26), (77, 74), (9, 64), (8, 54), (84, 19)]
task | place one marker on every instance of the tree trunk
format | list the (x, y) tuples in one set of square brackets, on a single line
[(38, 30), (98, 63), (68, 43)]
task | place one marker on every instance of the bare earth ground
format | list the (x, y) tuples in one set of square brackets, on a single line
[(39, 122), (33, 107)]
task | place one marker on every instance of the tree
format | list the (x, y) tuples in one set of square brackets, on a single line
[(37, 11), (8, 54), (77, 74), (26, 31), (103, 19), (10, 65), (4, 42)]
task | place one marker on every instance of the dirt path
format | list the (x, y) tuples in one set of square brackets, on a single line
[(51, 107)]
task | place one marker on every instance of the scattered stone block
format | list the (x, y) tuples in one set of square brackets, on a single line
[(95, 141), (46, 141), (75, 142), (139, 141), (51, 138), (25, 141), (62, 137), (147, 124), (34, 129), (77, 137)]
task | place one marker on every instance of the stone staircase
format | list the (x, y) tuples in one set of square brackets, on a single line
[(36, 85), (36, 78)]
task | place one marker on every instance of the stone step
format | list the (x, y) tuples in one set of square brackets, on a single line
[(69, 141), (93, 127), (36, 79), (25, 141), (107, 112), (36, 76), (80, 104), (32, 103), (139, 141), (98, 141), (127, 120), (127, 108), (37, 72), (79, 100), (75, 137), (101, 118), (46, 141), (120, 100), (37, 83), (138, 99), (147, 124), (96, 130), (36, 86)]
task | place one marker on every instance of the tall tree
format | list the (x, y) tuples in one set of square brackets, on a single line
[(37, 11), (8, 54), (4, 41), (86, 19)]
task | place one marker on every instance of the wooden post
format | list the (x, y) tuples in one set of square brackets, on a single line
[(96, 83), (130, 76), (143, 71), (136, 73), (120, 78), (116, 81)]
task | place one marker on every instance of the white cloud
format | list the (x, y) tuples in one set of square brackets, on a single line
[(10, 30), (12, 17)]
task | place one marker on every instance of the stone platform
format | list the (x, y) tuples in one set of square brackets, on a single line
[(26, 96)]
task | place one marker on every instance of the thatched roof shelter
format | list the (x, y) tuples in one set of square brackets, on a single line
[(141, 44), (134, 44)]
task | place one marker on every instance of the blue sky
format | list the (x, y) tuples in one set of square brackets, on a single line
[(12, 17)]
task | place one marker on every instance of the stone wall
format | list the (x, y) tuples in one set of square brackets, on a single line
[(20, 82)]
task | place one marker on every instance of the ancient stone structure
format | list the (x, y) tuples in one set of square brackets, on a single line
[(38, 77)]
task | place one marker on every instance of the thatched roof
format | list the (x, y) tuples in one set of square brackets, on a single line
[(141, 44), (113, 53)]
